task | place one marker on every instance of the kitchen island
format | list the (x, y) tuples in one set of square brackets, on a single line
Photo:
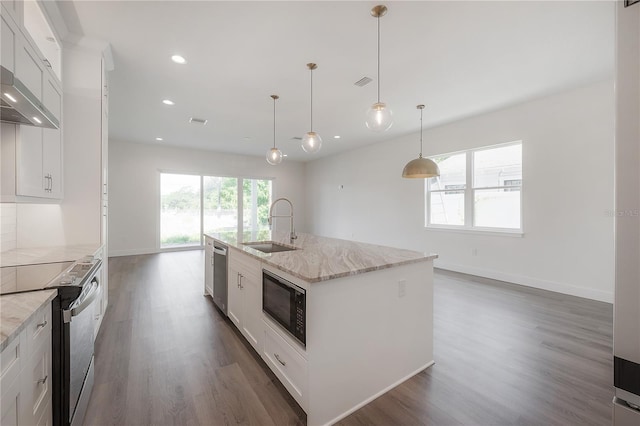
[(368, 317)]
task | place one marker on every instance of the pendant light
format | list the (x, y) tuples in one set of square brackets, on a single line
[(379, 116), (311, 142), (274, 156), (421, 167)]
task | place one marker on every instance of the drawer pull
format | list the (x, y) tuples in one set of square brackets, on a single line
[(42, 324), (43, 381), (279, 360)]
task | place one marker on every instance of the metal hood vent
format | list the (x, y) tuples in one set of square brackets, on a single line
[(18, 105)]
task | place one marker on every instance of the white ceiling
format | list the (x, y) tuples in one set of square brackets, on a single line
[(458, 58)]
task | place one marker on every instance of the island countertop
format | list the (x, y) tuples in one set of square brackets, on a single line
[(321, 258), (16, 310)]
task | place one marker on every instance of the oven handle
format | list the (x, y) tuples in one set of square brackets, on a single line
[(81, 304)]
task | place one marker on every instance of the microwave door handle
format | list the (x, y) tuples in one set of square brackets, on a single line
[(81, 304)]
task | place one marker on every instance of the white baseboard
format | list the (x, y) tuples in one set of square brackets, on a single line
[(382, 392), (132, 252), (587, 293)]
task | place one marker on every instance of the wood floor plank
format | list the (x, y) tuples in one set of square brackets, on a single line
[(505, 355)]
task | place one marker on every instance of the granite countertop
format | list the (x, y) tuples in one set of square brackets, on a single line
[(38, 255), (321, 258), (16, 310)]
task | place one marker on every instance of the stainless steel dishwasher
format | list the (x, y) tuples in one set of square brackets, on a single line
[(220, 276)]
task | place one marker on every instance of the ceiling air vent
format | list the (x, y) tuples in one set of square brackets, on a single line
[(363, 81), (194, 120)]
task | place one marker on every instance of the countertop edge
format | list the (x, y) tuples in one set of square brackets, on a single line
[(312, 280), (16, 332)]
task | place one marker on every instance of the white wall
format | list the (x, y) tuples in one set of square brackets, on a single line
[(568, 173), (626, 331), (134, 184)]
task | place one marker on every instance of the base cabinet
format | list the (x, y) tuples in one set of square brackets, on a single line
[(245, 296), (208, 266), (286, 363), (25, 374)]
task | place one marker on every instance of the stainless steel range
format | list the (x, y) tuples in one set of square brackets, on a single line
[(73, 332)]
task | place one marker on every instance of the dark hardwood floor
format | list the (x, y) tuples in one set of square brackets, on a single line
[(505, 355)]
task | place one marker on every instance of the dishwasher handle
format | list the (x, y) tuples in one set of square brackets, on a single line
[(83, 302), (220, 250)]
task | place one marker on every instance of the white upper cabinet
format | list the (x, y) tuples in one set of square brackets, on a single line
[(42, 36), (8, 37)]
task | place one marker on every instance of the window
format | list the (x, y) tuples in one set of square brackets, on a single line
[(191, 205), (477, 189)]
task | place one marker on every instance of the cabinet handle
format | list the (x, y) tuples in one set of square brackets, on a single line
[(238, 279), (42, 324), (284, 364), (43, 381), (50, 183), (241, 277), (47, 63)]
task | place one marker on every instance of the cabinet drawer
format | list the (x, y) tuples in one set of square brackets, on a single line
[(39, 389), (10, 405), (287, 364), (39, 330), (11, 361), (46, 419)]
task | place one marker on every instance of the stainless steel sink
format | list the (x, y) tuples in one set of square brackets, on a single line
[(269, 246)]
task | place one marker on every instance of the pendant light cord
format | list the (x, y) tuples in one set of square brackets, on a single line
[(311, 109), (420, 132), (378, 59), (274, 122)]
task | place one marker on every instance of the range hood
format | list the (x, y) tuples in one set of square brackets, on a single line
[(18, 105)]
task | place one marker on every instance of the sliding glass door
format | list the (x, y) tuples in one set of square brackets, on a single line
[(191, 205), (179, 210)]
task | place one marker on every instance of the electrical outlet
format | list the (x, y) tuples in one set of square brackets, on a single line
[(402, 288)]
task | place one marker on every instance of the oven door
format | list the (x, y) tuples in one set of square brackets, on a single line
[(80, 316)]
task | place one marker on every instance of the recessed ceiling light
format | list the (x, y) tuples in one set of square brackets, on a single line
[(246, 138), (11, 98), (159, 139), (336, 137), (168, 102), (178, 59), (284, 155), (37, 120)]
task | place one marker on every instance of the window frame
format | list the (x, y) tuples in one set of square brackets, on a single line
[(469, 196), (201, 175)]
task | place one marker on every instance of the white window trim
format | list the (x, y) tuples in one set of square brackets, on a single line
[(469, 192)]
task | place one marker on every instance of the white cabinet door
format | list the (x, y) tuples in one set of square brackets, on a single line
[(208, 266), (252, 309), (29, 67), (8, 37), (52, 96), (245, 297), (52, 162), (30, 181), (234, 295)]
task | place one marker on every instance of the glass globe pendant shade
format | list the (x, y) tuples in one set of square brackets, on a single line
[(274, 156), (311, 142), (379, 117)]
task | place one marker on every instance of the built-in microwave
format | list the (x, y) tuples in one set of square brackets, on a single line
[(285, 303)]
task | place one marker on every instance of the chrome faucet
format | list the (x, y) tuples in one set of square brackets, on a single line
[(292, 231)]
